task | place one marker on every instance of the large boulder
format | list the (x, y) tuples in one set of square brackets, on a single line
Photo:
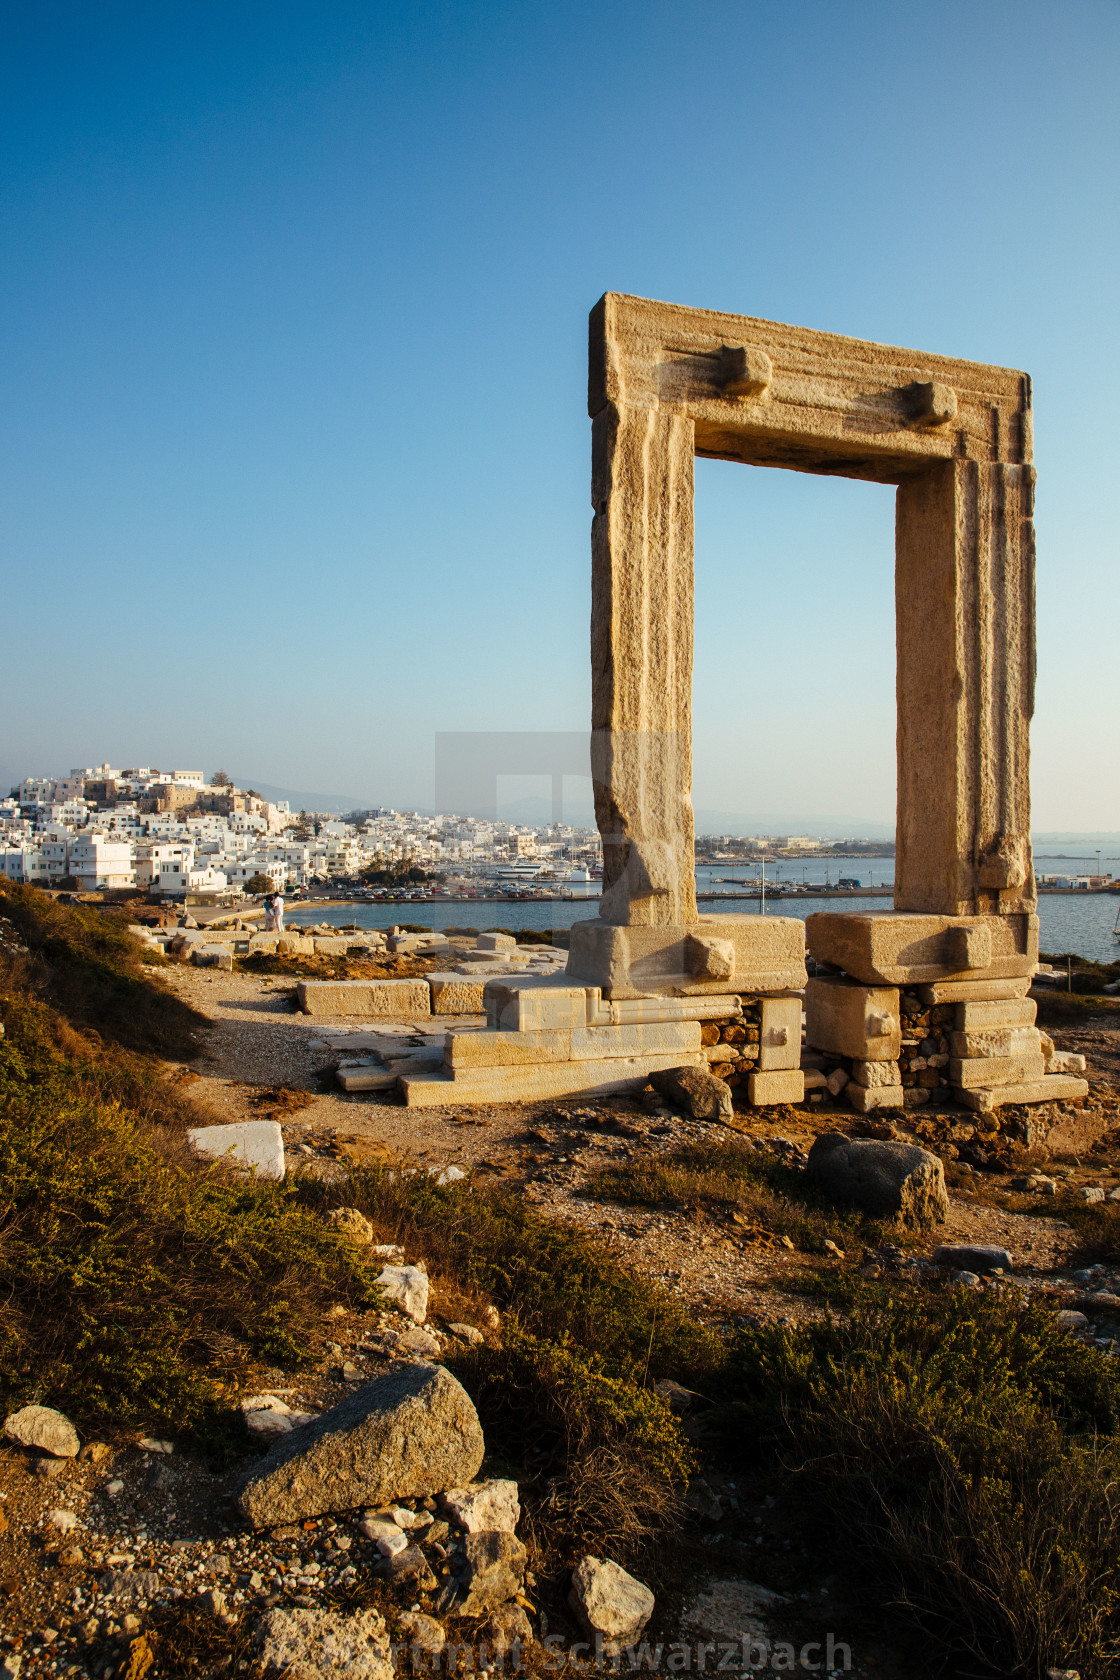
[(883, 1178), (609, 1604), (696, 1090), (972, 1257), (310, 1644), (407, 1434), (43, 1427)]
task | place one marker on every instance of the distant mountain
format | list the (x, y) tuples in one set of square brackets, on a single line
[(334, 802)]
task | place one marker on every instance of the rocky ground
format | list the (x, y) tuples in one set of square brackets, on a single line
[(95, 1549)]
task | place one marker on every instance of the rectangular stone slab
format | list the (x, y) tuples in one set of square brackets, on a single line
[(1054, 1087), (996, 1041), (364, 997), (866, 1098), (1003, 1012), (367, 1078), (779, 1085), (455, 994), (891, 948), (972, 991), (759, 954), (975, 1071), (779, 1038), (852, 1020), (534, 1005), (540, 1083), (506, 1049)]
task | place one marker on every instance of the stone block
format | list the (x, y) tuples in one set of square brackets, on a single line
[(456, 994), (853, 1020), (534, 1004), (865, 1098), (999, 1042), (1053, 1087), (294, 945), (400, 999), (876, 1073), (898, 949), (779, 1038), (495, 942), (213, 956), (654, 1038), (263, 942), (1065, 1061), (972, 1072), (699, 1091), (767, 954), (1001, 1012), (778, 1085), (540, 1083), (505, 1049), (367, 1078), (257, 1145), (972, 991)]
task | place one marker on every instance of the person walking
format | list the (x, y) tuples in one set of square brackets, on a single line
[(278, 912)]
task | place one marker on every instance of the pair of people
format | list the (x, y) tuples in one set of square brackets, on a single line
[(274, 913)]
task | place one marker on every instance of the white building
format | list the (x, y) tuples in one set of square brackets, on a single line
[(24, 863), (98, 861)]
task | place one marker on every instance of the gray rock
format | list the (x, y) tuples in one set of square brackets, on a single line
[(972, 1257), (696, 1090), (127, 1586), (412, 1566), (43, 1427), (506, 1629), (486, 1507), (407, 1288), (307, 1644), (423, 1633), (407, 1434), (881, 1177), (493, 1572), (700, 1498), (467, 1333), (677, 1398), (350, 1222), (966, 1280), (1071, 1320), (608, 1603), (1090, 1193)]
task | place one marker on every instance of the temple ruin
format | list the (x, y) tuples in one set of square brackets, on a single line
[(668, 383)]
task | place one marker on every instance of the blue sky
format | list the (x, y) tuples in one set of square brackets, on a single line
[(293, 310)]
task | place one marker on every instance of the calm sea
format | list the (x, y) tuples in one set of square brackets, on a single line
[(1081, 923)]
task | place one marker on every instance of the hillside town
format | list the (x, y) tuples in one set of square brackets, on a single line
[(176, 833)]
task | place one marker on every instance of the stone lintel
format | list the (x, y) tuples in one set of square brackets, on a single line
[(1053, 1087), (711, 956), (602, 1078)]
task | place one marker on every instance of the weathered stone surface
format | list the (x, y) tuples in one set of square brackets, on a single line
[(472, 1049), (882, 1178), (387, 1536), (779, 1085), (43, 1427), (411, 1568), (506, 1630), (972, 1257), (369, 1077), (129, 1586), (1001, 1042), (876, 1073), (1065, 1061), (645, 1038), (495, 942), (1054, 1087), (310, 1644), (608, 1603), (853, 1020), (401, 999), (628, 962), (257, 1145), (489, 1505), (536, 1004), (608, 1077), (493, 1572), (406, 1287), (779, 1037), (866, 1098), (423, 1634), (972, 991), (695, 1090), (888, 948), (407, 1434), (456, 994), (1002, 1012), (214, 956), (970, 1073)]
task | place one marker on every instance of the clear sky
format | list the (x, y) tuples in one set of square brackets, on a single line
[(295, 452)]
